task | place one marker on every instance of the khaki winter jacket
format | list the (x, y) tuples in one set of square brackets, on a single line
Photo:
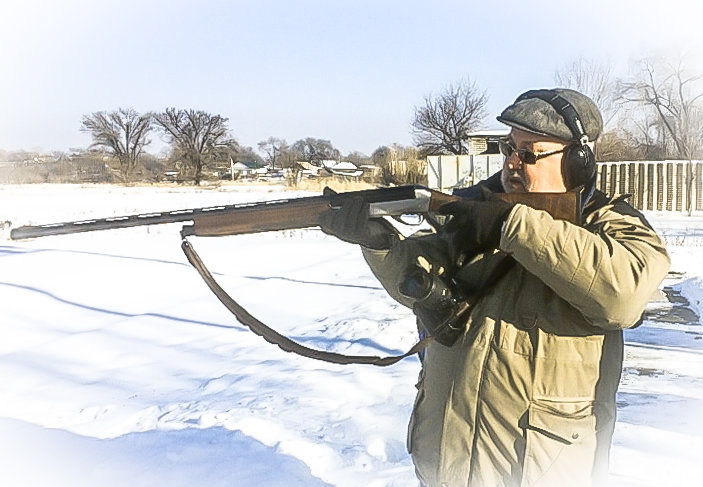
[(526, 397)]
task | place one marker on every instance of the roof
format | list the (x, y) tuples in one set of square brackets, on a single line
[(242, 165), (344, 166)]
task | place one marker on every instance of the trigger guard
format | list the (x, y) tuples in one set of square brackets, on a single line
[(399, 219)]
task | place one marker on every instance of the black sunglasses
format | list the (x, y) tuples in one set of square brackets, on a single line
[(526, 156)]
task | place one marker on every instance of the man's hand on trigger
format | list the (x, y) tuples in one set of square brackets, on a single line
[(351, 223), (475, 226)]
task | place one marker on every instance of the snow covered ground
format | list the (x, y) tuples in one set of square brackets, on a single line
[(120, 368)]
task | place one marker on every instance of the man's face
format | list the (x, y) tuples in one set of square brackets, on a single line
[(544, 176)]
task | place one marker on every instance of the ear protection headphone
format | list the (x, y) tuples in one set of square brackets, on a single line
[(579, 163)]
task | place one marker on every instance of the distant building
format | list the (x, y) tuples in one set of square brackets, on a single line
[(485, 142), (446, 172), (246, 169), (242, 169), (330, 168)]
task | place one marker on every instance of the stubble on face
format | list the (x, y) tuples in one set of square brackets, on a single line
[(545, 176), (514, 180)]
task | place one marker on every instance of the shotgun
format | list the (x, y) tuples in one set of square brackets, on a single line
[(304, 212), (287, 214)]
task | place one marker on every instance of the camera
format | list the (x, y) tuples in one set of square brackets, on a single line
[(439, 304)]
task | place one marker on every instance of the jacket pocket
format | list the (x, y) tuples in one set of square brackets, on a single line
[(566, 366), (560, 444)]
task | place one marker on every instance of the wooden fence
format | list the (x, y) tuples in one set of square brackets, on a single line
[(675, 186)]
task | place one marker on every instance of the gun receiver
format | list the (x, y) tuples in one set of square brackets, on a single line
[(303, 212)]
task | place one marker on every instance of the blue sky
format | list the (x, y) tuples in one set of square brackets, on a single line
[(348, 71)]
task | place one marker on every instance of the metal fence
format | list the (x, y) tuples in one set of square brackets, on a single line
[(675, 186)]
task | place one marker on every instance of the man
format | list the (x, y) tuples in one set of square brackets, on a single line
[(525, 396)]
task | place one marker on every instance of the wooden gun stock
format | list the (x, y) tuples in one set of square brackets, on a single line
[(562, 206)]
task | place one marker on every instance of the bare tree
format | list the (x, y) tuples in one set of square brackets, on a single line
[(122, 132), (315, 150), (242, 153), (379, 156), (196, 136), (442, 123), (647, 132), (272, 148), (675, 98), (595, 80)]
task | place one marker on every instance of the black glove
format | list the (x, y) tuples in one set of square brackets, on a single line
[(475, 226), (351, 223)]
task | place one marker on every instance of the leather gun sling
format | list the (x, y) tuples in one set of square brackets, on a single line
[(285, 343)]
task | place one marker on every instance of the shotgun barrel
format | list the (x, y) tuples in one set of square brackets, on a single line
[(281, 212)]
